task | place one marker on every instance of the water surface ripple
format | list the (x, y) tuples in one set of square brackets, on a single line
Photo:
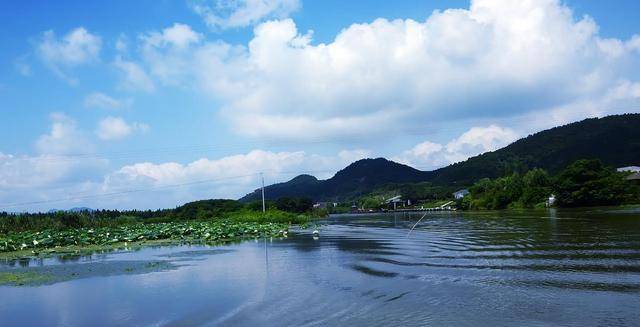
[(535, 268)]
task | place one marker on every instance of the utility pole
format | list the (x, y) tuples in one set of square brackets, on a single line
[(264, 208)]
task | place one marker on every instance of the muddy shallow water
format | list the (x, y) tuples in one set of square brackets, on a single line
[(537, 268)]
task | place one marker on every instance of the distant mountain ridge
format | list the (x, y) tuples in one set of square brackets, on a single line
[(358, 178), (615, 140), (75, 209)]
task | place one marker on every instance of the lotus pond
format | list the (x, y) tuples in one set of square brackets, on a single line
[(206, 232)]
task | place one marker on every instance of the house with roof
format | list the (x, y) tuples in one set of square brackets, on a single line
[(460, 194), (631, 169), (635, 177), (635, 173), (397, 201)]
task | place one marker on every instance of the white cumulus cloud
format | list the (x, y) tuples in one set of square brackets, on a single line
[(134, 77), (179, 36), (227, 177), (25, 172), (156, 185), (116, 128), (222, 14), (64, 137), (75, 48), (429, 155), (497, 58)]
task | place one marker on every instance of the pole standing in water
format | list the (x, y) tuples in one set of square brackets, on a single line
[(264, 208)]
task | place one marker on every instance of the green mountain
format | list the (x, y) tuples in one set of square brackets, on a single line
[(356, 179), (300, 186), (615, 140)]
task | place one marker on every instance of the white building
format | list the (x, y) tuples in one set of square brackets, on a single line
[(395, 201), (460, 194), (632, 169)]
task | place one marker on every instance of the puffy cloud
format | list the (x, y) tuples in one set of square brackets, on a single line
[(103, 101), (77, 47), (160, 185), (134, 77), (116, 128), (477, 140), (46, 169), (621, 97), (624, 90), (240, 13), (424, 155), (35, 180), (166, 53), (178, 36), (227, 177), (497, 58), (272, 164), (236, 165), (64, 137)]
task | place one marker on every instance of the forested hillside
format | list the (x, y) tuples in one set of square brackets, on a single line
[(614, 140)]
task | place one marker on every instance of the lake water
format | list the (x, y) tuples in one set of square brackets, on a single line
[(538, 268)]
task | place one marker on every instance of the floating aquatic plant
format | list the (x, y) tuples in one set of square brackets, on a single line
[(194, 231)]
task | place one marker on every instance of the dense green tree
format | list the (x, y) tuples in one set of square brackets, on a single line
[(298, 205), (536, 188), (583, 183), (257, 205), (371, 203), (499, 193), (590, 183), (206, 209)]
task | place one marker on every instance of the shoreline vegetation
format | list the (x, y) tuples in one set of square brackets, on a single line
[(200, 222), (584, 183)]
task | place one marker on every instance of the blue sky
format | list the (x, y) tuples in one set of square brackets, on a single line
[(102, 98)]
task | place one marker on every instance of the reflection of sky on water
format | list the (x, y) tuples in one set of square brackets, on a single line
[(530, 268)]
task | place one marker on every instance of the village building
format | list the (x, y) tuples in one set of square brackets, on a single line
[(397, 201), (635, 173), (460, 194), (325, 205), (635, 177), (631, 169)]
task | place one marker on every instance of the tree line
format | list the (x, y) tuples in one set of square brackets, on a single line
[(583, 183)]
